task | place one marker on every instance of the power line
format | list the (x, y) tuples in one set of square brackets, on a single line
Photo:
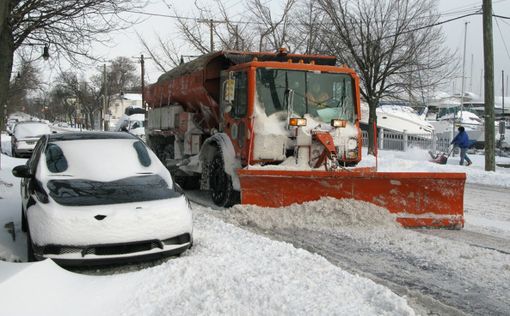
[(502, 38)]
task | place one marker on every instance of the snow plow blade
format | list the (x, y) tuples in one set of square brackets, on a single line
[(418, 199)]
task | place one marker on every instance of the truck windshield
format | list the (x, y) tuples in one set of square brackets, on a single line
[(325, 96)]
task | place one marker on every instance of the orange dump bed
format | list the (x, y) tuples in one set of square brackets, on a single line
[(418, 199)]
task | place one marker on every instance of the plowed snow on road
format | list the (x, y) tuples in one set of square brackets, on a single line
[(366, 238)]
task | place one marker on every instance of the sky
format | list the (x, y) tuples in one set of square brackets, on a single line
[(126, 42)]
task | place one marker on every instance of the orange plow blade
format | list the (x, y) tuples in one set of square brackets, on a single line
[(418, 199)]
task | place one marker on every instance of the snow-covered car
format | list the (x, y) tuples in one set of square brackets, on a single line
[(100, 197), (25, 136)]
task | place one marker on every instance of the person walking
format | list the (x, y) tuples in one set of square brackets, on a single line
[(461, 140)]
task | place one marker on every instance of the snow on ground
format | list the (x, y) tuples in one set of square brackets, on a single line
[(228, 271), (350, 218), (418, 160)]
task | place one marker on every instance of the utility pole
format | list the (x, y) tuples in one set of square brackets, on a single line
[(105, 101), (490, 159), (237, 38), (142, 66), (211, 26)]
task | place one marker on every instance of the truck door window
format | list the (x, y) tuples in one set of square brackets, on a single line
[(240, 104)]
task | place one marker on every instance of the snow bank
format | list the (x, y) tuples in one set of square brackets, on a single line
[(418, 160), (228, 271), (323, 214), (231, 271), (374, 229)]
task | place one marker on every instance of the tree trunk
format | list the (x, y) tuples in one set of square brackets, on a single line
[(372, 122), (6, 57)]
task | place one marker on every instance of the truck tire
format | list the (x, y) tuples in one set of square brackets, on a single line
[(220, 183)]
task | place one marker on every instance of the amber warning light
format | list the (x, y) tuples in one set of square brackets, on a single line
[(297, 121)]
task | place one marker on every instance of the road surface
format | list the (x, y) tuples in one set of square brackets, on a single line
[(452, 272)]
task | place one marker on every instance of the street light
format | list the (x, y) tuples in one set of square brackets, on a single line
[(46, 52)]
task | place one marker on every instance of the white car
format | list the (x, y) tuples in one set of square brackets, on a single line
[(25, 135), (98, 197)]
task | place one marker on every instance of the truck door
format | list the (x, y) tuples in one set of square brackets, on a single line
[(235, 121)]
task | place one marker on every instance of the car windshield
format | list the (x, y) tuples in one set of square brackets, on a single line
[(25, 130), (325, 96), (81, 192)]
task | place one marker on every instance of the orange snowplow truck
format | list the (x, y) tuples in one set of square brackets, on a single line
[(273, 129)]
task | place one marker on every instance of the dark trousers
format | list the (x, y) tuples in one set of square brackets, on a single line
[(463, 156)]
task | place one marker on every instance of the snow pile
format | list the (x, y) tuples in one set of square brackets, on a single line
[(228, 271), (231, 271), (327, 213), (10, 207)]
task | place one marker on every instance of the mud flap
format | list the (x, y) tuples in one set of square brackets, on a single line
[(418, 199)]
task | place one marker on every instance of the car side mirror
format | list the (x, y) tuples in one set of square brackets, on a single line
[(53, 132), (9, 133), (22, 171)]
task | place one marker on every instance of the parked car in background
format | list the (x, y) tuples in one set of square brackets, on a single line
[(98, 197), (132, 122), (25, 136), (10, 125)]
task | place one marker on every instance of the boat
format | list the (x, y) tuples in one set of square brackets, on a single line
[(398, 117)]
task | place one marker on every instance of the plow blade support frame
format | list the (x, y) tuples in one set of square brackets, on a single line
[(419, 199)]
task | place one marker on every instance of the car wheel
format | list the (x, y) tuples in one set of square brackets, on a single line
[(24, 224), (220, 183), (30, 249)]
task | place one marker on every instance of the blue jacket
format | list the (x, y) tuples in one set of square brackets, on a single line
[(461, 140)]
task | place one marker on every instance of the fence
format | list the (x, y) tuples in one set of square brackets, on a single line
[(402, 141)]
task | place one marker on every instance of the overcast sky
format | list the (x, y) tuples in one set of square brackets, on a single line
[(126, 42)]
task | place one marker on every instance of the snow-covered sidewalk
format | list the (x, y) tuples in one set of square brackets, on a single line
[(228, 271)]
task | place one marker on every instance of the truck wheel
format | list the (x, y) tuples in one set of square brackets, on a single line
[(222, 192), (30, 249)]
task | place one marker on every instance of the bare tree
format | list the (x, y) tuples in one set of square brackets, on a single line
[(307, 26), (26, 81), (273, 32), (388, 43), (66, 27), (122, 75)]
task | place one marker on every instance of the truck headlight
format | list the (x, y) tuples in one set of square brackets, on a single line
[(338, 123)]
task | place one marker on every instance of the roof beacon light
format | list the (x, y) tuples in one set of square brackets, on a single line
[(297, 121)]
